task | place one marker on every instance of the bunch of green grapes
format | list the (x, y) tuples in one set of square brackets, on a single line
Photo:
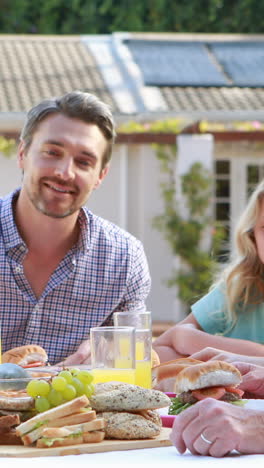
[(66, 386)]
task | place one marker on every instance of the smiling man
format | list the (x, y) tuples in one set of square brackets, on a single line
[(63, 269)]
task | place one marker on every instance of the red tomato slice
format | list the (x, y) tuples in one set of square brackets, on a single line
[(209, 392), (235, 390), (33, 364)]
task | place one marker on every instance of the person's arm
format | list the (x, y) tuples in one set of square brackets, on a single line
[(226, 426), (81, 356), (186, 338), (208, 354)]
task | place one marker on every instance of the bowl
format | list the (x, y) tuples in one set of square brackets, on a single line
[(20, 383), (167, 419)]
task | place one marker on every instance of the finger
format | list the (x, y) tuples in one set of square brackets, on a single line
[(221, 447), (181, 422), (206, 354), (200, 446), (178, 442), (243, 367), (192, 435)]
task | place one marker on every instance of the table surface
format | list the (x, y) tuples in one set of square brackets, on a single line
[(167, 457)]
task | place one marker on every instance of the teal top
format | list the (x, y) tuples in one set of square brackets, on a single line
[(210, 313)]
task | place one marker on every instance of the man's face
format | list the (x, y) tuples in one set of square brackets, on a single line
[(62, 165)]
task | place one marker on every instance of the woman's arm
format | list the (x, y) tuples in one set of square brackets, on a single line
[(187, 338)]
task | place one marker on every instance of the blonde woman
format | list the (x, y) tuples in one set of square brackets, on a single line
[(231, 316)]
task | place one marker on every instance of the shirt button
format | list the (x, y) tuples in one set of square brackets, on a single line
[(74, 261), (18, 269)]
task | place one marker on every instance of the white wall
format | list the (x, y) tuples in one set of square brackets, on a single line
[(10, 175)]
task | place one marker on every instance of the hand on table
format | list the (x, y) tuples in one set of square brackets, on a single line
[(226, 426), (81, 356)]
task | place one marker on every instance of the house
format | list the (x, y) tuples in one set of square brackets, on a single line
[(212, 79)]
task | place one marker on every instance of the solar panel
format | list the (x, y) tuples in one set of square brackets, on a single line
[(167, 63), (242, 61)]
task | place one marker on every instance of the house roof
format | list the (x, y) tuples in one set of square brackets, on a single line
[(136, 74), (38, 67)]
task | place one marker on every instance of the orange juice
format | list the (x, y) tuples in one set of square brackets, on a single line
[(143, 374), (108, 375), (140, 350)]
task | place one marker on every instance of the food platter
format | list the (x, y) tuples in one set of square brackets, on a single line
[(105, 446)]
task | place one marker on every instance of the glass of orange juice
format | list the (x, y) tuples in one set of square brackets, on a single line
[(113, 354), (141, 320)]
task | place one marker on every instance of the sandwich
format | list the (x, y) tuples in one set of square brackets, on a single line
[(128, 410), (7, 430), (167, 371), (26, 356), (31, 430), (72, 435), (211, 379)]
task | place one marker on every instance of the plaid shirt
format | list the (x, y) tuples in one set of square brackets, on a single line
[(105, 272)]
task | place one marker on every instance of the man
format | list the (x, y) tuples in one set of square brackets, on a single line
[(63, 269), (213, 427)]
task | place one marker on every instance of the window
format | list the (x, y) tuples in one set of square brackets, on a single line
[(223, 204)]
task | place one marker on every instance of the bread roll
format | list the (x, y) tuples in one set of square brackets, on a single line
[(122, 425), (169, 369), (207, 374), (117, 396)]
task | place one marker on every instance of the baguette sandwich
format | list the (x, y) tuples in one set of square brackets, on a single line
[(26, 356), (211, 379)]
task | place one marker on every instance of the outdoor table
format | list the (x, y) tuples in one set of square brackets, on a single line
[(161, 457)]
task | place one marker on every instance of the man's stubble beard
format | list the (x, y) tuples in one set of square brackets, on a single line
[(40, 206)]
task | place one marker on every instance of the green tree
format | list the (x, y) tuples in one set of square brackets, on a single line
[(106, 16)]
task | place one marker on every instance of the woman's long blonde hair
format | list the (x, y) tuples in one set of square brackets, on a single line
[(244, 276)]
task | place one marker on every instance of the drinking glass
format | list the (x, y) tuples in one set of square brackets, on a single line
[(113, 354), (141, 320)]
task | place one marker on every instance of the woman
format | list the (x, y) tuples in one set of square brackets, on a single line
[(231, 316)]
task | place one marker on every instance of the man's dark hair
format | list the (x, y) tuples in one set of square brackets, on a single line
[(77, 105)]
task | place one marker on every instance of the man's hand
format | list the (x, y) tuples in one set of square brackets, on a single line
[(81, 356), (253, 378), (225, 427)]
